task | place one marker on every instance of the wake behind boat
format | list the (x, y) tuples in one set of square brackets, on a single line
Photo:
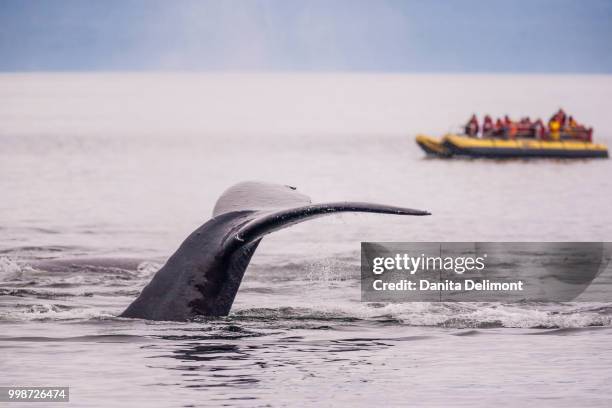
[(563, 138)]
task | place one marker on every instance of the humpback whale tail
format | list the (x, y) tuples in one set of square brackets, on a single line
[(203, 276)]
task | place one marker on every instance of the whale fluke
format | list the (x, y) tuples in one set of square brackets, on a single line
[(274, 221), (257, 196), (203, 276)]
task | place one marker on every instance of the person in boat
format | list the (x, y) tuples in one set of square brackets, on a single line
[(512, 130), (554, 128), (487, 126), (471, 128), (498, 130), (560, 117), (578, 131), (525, 128), (539, 131), (506, 126), (571, 129)]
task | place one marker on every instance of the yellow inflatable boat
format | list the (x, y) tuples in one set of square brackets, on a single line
[(452, 145)]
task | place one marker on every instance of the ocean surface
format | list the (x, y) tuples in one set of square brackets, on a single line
[(103, 175)]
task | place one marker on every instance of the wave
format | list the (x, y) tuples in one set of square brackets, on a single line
[(445, 315), (313, 294), (30, 249), (11, 269), (439, 315), (66, 273), (51, 312), (101, 338)]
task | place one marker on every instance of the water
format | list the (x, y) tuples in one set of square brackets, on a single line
[(103, 175)]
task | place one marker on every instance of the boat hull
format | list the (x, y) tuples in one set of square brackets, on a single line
[(433, 147), (463, 146)]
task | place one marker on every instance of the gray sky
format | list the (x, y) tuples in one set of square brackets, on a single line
[(289, 35)]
